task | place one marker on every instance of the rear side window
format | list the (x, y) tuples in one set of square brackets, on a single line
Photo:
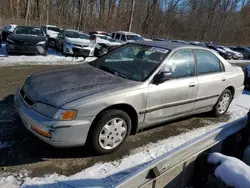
[(113, 35), (123, 38), (207, 62), (117, 36)]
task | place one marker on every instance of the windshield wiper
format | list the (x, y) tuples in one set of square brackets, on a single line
[(110, 70)]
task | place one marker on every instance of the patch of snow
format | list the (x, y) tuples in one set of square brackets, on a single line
[(111, 173), (53, 58), (232, 171)]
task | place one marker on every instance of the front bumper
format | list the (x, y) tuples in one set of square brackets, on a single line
[(84, 51), (30, 49), (63, 133)]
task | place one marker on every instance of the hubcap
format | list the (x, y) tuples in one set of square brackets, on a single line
[(112, 133), (223, 103)]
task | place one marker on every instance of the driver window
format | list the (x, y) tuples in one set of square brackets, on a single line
[(181, 64)]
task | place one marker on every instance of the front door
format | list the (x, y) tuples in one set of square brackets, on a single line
[(175, 97)]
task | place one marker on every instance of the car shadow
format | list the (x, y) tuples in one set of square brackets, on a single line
[(24, 148)]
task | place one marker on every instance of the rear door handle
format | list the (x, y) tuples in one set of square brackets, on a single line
[(192, 85), (223, 79)]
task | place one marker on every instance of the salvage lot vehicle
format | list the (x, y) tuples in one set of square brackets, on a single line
[(124, 36), (243, 50), (27, 39), (51, 32), (236, 55), (132, 87), (103, 44), (7, 30), (73, 42)]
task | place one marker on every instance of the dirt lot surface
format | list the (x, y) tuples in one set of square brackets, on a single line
[(28, 152)]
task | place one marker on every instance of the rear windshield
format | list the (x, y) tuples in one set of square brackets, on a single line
[(56, 29), (36, 31)]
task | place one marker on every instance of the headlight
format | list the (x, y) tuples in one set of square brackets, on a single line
[(65, 115), (53, 112), (41, 43), (10, 41)]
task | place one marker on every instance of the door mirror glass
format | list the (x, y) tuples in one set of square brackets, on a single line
[(162, 77)]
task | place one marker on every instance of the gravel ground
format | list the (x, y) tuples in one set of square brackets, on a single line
[(24, 151)]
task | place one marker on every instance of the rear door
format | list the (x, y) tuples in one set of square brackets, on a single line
[(212, 80)]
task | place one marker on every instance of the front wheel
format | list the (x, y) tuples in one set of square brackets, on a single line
[(111, 129), (223, 103)]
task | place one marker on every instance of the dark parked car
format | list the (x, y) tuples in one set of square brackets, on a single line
[(159, 39), (7, 30), (244, 50), (223, 53), (28, 40)]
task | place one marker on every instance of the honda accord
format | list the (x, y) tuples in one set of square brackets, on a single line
[(132, 87)]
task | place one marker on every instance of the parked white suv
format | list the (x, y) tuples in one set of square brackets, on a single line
[(124, 36)]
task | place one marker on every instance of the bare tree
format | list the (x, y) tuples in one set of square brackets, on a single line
[(131, 15), (27, 11)]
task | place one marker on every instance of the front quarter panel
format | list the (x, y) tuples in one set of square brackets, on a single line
[(87, 108)]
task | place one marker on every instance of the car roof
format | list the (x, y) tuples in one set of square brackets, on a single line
[(126, 33), (50, 26), (169, 45)]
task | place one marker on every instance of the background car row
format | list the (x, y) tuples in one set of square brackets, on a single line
[(36, 40)]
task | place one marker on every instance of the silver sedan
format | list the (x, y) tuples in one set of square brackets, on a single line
[(135, 86)]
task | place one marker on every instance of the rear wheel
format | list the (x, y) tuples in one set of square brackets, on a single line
[(110, 131), (223, 103)]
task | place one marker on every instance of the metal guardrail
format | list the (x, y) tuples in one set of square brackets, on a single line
[(164, 169)]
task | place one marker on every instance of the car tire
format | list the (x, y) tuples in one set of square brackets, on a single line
[(223, 103), (107, 135)]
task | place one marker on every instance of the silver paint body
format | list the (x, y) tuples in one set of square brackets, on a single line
[(153, 104)]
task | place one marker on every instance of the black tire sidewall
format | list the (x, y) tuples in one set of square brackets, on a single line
[(103, 118), (215, 108)]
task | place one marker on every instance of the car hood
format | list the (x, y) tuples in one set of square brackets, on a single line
[(78, 41), (61, 86), (52, 34), (27, 38)]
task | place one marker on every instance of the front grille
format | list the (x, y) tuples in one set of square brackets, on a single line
[(81, 52), (26, 98)]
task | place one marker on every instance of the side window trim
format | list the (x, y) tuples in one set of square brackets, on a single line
[(220, 63)]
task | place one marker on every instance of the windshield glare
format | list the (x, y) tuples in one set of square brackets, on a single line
[(29, 31), (134, 37), (133, 61), (74, 34)]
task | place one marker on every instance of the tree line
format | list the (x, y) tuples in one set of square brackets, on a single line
[(219, 21)]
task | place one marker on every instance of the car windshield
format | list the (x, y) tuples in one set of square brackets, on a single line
[(75, 34), (36, 31), (132, 61), (56, 29), (134, 37)]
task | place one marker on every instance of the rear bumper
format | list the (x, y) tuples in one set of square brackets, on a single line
[(31, 49), (63, 133)]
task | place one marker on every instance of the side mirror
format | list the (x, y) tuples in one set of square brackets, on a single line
[(162, 77), (47, 36)]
